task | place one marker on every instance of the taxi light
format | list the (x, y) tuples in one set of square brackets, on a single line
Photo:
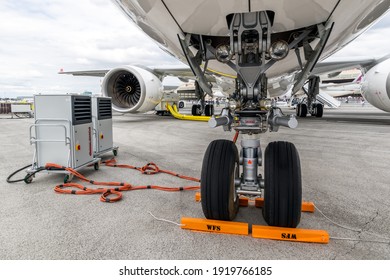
[(223, 53), (279, 50)]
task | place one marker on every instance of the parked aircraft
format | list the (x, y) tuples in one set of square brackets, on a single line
[(253, 50)]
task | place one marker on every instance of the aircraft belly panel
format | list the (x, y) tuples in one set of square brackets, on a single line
[(209, 17)]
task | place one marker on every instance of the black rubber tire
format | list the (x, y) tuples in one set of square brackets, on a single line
[(209, 110), (115, 152), (96, 165), (220, 168), (283, 185), (196, 110), (181, 104), (303, 110), (28, 179), (193, 110), (68, 178), (319, 110), (298, 110)]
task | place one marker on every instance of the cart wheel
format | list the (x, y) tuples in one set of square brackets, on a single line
[(28, 179), (115, 152), (96, 166), (68, 178)]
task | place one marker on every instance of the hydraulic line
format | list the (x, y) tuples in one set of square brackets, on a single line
[(179, 116)]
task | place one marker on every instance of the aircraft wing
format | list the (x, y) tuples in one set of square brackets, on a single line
[(184, 73), (338, 64), (179, 71), (89, 73)]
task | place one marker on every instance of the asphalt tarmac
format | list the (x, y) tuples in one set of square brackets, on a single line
[(345, 159)]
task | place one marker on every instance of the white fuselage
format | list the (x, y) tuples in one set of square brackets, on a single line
[(165, 20)]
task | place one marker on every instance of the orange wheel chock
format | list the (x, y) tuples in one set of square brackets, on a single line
[(243, 201), (259, 203), (265, 232), (214, 226), (306, 205), (290, 234), (197, 196)]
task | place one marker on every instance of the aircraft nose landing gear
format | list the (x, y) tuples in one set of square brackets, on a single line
[(281, 187), (225, 174)]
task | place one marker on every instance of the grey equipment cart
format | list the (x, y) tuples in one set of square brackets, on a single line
[(102, 126), (62, 133)]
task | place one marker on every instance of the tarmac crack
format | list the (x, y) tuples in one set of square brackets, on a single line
[(363, 229)]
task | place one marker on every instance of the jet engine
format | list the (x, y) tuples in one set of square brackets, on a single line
[(376, 86), (132, 89)]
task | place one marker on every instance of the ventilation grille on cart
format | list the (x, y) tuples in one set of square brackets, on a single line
[(104, 108), (82, 112)]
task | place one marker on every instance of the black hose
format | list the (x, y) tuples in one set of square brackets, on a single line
[(26, 178)]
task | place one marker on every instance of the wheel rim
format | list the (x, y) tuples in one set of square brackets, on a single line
[(233, 190)]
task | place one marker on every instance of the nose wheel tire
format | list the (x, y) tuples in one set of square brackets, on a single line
[(219, 170), (283, 185)]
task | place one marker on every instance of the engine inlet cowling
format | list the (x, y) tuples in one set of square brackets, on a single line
[(376, 86), (132, 89)]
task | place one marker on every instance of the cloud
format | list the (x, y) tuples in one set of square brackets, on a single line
[(40, 37)]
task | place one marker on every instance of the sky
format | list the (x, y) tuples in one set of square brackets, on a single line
[(40, 37)]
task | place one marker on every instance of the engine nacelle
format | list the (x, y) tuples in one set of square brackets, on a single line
[(132, 89), (376, 86)]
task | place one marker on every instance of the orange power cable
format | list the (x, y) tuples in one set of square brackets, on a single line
[(115, 194)]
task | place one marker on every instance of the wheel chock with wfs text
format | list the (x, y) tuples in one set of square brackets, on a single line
[(257, 231), (264, 232)]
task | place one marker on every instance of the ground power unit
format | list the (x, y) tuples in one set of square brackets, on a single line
[(63, 131), (102, 126)]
